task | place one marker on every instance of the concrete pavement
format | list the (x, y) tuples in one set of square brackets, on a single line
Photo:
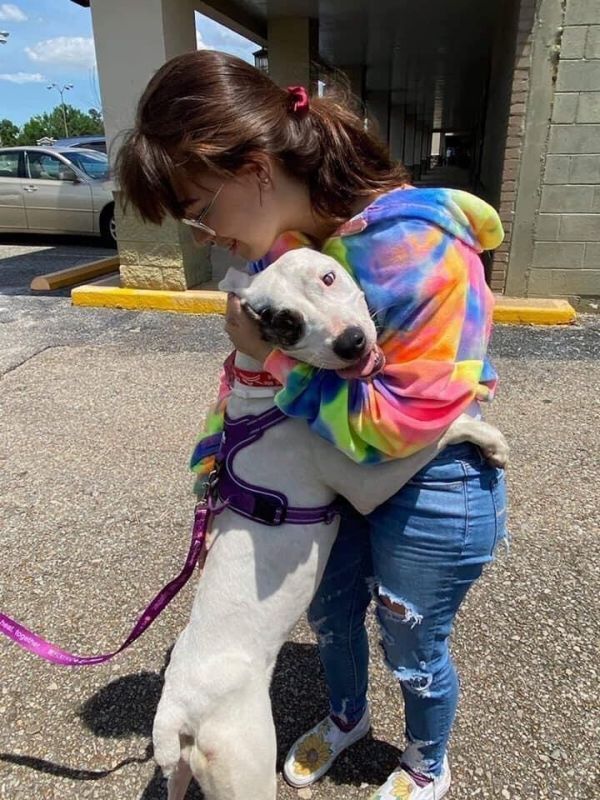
[(98, 413)]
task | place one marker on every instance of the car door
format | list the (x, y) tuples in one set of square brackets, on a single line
[(54, 201), (12, 205)]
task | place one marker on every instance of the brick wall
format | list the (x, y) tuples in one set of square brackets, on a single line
[(566, 254), (514, 138)]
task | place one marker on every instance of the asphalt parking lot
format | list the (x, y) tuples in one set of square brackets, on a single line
[(25, 256), (99, 410)]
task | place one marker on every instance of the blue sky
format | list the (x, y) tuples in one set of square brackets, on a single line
[(45, 47)]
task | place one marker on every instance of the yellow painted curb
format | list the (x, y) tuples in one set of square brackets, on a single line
[(108, 293), (67, 277), (533, 311), (191, 301)]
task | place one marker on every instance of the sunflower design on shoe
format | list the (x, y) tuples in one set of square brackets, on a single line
[(312, 754), (397, 787), (402, 787)]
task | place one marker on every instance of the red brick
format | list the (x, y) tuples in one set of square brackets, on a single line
[(512, 152), (517, 108), (513, 141)]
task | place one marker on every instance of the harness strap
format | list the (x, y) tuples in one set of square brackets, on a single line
[(257, 503)]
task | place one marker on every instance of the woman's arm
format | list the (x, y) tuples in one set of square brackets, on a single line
[(434, 310)]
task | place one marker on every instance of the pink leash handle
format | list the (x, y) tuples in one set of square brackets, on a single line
[(49, 652)]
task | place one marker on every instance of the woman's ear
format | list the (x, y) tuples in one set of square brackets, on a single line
[(260, 165)]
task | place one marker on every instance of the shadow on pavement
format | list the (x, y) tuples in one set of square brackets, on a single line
[(126, 707), (63, 771), (25, 256)]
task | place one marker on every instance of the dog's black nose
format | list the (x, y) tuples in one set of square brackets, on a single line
[(350, 344)]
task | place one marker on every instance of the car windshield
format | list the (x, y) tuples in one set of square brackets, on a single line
[(93, 164)]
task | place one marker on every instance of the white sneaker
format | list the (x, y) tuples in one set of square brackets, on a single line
[(313, 753), (400, 786)]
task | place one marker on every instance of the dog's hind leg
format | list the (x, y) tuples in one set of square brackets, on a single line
[(235, 751)]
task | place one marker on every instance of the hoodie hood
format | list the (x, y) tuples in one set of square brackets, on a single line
[(459, 213)]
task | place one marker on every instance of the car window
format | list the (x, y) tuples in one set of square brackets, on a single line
[(9, 165), (93, 164), (42, 166)]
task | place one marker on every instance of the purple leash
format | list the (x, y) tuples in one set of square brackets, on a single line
[(253, 502), (40, 647)]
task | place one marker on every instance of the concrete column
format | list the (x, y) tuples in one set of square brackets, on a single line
[(417, 146), (426, 148), (160, 257), (397, 125), (355, 74), (293, 44), (409, 140), (378, 108)]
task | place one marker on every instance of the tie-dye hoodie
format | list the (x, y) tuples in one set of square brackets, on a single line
[(414, 253)]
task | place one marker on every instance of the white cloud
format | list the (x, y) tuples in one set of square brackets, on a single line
[(22, 77), (11, 13), (74, 51), (200, 43)]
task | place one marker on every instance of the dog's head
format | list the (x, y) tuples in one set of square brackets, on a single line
[(308, 306)]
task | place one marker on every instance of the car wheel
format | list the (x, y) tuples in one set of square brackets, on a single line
[(108, 226)]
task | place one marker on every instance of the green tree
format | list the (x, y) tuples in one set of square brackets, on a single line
[(8, 133), (97, 117), (52, 124)]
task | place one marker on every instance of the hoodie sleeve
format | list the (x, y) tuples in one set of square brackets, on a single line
[(426, 289), (203, 458)]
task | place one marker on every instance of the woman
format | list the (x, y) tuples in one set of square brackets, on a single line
[(259, 169)]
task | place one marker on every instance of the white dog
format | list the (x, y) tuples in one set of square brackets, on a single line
[(214, 718)]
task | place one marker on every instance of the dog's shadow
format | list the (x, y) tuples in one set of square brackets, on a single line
[(126, 707)]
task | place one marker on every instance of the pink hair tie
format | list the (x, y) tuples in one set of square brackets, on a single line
[(299, 96)]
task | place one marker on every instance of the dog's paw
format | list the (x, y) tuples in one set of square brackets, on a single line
[(497, 452), (235, 281)]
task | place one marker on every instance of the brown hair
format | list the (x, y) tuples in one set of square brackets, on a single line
[(211, 111)]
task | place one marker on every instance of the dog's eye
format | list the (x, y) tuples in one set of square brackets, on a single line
[(328, 278)]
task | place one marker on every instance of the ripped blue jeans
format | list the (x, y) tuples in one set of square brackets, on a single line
[(417, 555)]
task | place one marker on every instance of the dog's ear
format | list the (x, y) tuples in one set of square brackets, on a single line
[(235, 281)]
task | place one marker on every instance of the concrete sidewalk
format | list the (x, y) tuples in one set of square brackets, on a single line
[(98, 413)]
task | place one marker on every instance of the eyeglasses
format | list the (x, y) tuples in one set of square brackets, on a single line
[(196, 222)]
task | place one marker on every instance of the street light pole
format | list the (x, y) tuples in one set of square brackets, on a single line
[(61, 91)]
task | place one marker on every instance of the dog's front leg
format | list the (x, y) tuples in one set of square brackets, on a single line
[(368, 486), (489, 439)]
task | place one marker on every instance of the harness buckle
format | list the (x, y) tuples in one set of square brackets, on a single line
[(269, 510), (212, 481)]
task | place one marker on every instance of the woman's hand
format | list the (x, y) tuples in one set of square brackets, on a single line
[(243, 331)]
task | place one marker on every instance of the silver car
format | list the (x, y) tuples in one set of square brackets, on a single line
[(48, 190)]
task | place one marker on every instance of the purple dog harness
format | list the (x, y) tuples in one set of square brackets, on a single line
[(253, 502)]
